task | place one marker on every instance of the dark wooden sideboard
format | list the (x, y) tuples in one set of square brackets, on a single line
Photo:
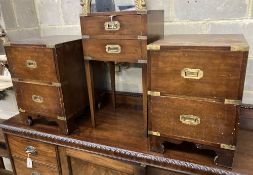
[(119, 149)]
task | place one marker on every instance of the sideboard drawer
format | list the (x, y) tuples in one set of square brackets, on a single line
[(32, 63), (44, 153), (38, 169), (114, 50)]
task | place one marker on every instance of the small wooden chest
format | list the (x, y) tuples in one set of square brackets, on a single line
[(195, 89), (120, 36), (48, 77)]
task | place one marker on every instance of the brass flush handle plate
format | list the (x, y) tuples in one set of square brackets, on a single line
[(189, 73), (190, 120), (113, 49)]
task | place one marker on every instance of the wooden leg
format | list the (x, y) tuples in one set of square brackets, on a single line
[(156, 144), (112, 75), (2, 163), (145, 98), (90, 85)]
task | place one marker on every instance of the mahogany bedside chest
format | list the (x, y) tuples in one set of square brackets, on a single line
[(120, 36), (48, 78), (195, 88)]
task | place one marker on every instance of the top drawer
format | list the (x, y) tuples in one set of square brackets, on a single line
[(32, 63), (198, 73), (42, 153), (128, 25)]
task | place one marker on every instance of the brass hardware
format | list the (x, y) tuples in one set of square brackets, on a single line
[(188, 73), (228, 147), (61, 118), (85, 37), (112, 25), (31, 150), (154, 133), (154, 94), (31, 64), (37, 99), (143, 61), (153, 47), (21, 110), (38, 83), (56, 84), (232, 102), (87, 58), (113, 49), (190, 120), (239, 48), (50, 46), (140, 37)]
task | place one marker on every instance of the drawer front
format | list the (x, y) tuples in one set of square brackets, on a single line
[(39, 99), (130, 25), (45, 153), (38, 169), (32, 63), (191, 119), (198, 73), (114, 50)]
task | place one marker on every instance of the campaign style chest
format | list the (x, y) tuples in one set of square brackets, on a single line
[(195, 88), (48, 78)]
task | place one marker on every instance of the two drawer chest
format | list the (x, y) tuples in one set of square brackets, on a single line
[(49, 81), (195, 91)]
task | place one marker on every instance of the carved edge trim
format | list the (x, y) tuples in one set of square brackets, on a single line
[(127, 154)]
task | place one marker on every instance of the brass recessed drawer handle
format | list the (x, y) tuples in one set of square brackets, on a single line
[(37, 99), (112, 25), (189, 73), (31, 64), (113, 49), (31, 150), (190, 120)]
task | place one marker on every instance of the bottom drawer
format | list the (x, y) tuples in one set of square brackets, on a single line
[(38, 169), (39, 99), (194, 120)]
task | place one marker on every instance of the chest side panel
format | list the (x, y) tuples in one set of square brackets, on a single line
[(212, 74)]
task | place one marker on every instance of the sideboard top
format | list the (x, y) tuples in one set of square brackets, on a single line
[(120, 135), (235, 42)]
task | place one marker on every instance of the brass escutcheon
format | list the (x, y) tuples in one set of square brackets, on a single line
[(37, 99)]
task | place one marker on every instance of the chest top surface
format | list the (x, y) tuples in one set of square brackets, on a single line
[(48, 41), (233, 42)]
